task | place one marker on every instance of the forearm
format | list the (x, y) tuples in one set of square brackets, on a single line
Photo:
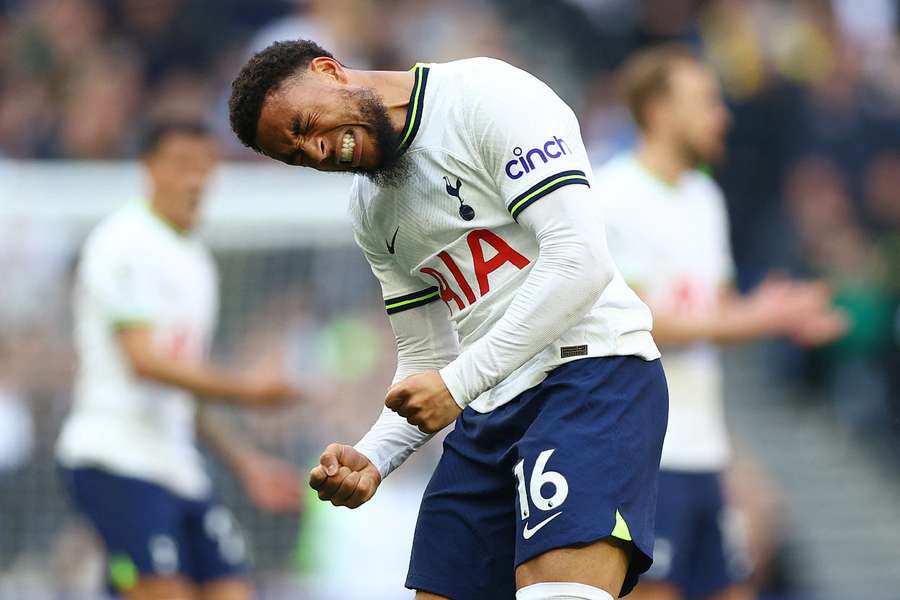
[(734, 319), (215, 433), (425, 342), (728, 325), (571, 271), (202, 380), (390, 441)]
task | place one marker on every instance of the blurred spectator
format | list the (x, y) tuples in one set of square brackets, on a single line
[(98, 107), (340, 26), (833, 245), (882, 210)]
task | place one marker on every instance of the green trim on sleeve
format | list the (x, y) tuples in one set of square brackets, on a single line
[(414, 300), (544, 187), (120, 324)]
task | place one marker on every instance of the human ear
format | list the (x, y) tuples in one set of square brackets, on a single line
[(328, 67)]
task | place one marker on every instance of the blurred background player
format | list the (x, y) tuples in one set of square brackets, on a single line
[(146, 303), (668, 232)]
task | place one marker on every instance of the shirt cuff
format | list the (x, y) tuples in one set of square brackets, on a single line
[(454, 382), (384, 469)]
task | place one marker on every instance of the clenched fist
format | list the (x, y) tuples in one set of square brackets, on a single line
[(424, 401), (344, 476)]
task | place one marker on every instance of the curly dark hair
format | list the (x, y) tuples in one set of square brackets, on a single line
[(264, 72)]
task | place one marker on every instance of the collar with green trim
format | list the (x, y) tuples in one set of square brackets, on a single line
[(148, 205), (653, 175), (416, 106)]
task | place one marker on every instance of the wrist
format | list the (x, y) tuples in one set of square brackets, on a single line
[(764, 325), (749, 323), (243, 389), (452, 379), (242, 460), (383, 468)]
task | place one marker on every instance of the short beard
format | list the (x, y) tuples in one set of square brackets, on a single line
[(393, 168)]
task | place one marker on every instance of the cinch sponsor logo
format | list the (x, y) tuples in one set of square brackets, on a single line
[(521, 165)]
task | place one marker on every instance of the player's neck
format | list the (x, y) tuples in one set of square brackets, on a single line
[(394, 87), (159, 209), (661, 160)]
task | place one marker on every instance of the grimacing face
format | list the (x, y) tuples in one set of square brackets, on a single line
[(179, 169), (318, 120), (698, 114)]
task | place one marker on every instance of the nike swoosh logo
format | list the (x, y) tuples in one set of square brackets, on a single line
[(390, 246), (528, 532)]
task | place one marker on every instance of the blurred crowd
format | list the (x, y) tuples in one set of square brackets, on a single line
[(812, 179)]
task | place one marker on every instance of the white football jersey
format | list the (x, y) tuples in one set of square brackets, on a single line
[(136, 269), (671, 242), (484, 141)]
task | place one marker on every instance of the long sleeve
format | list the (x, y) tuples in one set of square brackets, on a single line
[(571, 271), (425, 342)]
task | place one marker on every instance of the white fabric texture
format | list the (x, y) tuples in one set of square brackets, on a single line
[(572, 269), (561, 591), (480, 119), (496, 227)]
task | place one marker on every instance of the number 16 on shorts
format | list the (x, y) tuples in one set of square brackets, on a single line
[(541, 480)]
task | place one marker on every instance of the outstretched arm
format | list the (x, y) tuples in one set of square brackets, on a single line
[(800, 311), (122, 287), (262, 386)]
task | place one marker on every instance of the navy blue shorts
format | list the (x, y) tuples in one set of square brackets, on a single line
[(698, 542), (149, 531), (568, 462)]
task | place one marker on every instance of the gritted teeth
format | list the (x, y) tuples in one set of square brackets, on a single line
[(348, 145)]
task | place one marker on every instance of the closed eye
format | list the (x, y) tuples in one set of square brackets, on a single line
[(295, 127)]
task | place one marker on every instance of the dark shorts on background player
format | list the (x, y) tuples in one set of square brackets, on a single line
[(149, 531), (571, 461), (698, 545)]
